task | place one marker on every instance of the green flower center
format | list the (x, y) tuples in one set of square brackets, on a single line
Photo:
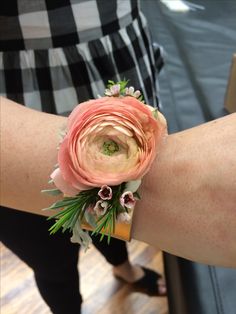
[(110, 147)]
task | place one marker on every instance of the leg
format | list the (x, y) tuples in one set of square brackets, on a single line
[(117, 255), (53, 258), (141, 278)]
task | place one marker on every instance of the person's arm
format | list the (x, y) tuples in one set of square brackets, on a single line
[(29, 141), (188, 204)]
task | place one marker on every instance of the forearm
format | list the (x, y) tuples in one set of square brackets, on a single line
[(28, 154), (188, 204)]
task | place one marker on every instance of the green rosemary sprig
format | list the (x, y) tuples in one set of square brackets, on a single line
[(53, 192), (73, 210)]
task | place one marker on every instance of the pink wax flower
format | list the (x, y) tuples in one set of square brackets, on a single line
[(100, 207), (114, 90), (105, 193), (127, 200), (131, 92)]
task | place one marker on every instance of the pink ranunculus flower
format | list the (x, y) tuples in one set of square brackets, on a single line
[(109, 140)]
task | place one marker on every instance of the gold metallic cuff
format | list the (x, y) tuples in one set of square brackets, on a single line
[(122, 230)]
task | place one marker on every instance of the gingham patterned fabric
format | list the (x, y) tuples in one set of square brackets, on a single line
[(56, 54)]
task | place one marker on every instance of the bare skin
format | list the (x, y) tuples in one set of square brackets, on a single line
[(24, 178), (189, 195), (188, 205)]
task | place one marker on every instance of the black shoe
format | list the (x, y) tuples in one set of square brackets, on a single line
[(148, 284)]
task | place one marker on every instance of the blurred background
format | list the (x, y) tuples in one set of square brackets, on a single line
[(198, 39)]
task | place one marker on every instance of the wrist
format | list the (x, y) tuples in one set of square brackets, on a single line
[(154, 192), (102, 158), (188, 197)]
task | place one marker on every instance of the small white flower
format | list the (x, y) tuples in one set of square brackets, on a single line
[(107, 92), (127, 200), (105, 192), (124, 217), (101, 207), (114, 90), (137, 94), (129, 91)]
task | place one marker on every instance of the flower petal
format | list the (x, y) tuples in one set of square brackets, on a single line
[(61, 184)]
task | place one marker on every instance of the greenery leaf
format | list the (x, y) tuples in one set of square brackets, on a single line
[(132, 186), (137, 195), (73, 210), (80, 236), (91, 220), (53, 192)]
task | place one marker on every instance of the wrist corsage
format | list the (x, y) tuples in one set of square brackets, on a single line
[(108, 146)]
